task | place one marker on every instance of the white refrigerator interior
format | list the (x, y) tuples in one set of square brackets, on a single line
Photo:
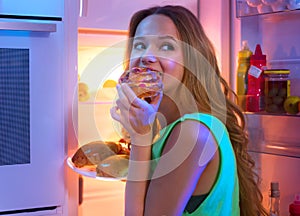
[(102, 41), (102, 198), (277, 33)]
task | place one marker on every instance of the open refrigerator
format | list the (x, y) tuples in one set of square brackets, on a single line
[(274, 138)]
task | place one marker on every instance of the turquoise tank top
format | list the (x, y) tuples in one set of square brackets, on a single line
[(223, 199)]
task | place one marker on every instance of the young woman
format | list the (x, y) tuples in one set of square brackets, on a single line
[(199, 165)]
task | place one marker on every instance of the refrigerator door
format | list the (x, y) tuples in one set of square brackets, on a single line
[(274, 139), (31, 116)]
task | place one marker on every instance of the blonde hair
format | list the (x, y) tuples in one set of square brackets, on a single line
[(204, 83)]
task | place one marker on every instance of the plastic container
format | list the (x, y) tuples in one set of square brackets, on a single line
[(256, 85), (279, 5), (242, 73), (293, 4), (277, 89), (263, 8), (254, 3), (294, 207), (243, 9)]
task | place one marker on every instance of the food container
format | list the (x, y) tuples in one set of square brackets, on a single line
[(276, 5), (293, 4), (254, 3), (277, 89), (263, 8)]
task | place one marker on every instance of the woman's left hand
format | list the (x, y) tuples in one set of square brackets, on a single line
[(136, 115)]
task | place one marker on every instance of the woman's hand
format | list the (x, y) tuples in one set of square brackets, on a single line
[(136, 115)]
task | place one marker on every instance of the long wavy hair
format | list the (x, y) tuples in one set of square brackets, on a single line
[(205, 82)]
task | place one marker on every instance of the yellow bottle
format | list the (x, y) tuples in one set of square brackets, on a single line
[(242, 70)]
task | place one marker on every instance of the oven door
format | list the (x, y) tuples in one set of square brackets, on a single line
[(31, 115)]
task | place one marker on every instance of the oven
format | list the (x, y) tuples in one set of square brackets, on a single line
[(32, 107)]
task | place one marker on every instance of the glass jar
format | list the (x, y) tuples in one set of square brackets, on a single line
[(277, 89)]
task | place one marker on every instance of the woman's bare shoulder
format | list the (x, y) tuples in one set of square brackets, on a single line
[(193, 135), (186, 155)]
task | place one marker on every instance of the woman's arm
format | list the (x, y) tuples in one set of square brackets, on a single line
[(137, 117), (137, 180), (187, 154)]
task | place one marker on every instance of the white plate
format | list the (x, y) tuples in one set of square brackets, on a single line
[(90, 172)]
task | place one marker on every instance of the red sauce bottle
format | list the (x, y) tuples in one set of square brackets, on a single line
[(256, 82), (294, 207)]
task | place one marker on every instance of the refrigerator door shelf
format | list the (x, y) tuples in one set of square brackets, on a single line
[(275, 147), (272, 134)]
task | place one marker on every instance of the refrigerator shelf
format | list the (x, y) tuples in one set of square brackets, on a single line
[(276, 135)]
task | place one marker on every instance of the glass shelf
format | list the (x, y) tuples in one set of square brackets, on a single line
[(243, 9), (283, 115), (274, 135)]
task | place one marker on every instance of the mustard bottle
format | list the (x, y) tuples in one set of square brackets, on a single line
[(242, 70)]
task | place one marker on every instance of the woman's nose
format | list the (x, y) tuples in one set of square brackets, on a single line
[(148, 58)]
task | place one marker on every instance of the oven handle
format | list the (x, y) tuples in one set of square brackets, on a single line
[(27, 26)]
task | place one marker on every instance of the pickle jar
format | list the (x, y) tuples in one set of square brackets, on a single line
[(277, 89)]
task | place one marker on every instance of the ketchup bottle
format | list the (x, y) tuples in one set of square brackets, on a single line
[(256, 82), (294, 207)]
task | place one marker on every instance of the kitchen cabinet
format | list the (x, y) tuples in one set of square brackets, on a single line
[(115, 14)]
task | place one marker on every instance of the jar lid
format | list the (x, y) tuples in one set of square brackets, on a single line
[(277, 71)]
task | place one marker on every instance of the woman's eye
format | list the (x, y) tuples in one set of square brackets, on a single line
[(139, 46), (167, 47)]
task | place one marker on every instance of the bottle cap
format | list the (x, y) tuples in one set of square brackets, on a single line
[(297, 199), (274, 186), (275, 189), (245, 52), (258, 56)]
